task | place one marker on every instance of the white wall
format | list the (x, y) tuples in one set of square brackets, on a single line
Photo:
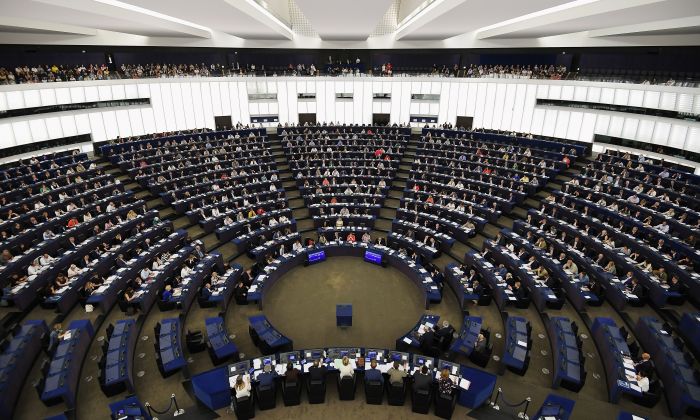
[(508, 104)]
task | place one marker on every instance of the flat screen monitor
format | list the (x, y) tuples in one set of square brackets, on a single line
[(316, 256), (373, 257)]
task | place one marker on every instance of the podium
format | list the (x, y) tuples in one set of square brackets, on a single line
[(343, 315)]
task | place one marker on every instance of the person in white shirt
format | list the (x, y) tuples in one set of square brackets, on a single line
[(73, 270), (111, 207), (633, 199), (663, 227), (46, 259), (297, 247), (344, 367), (228, 221), (242, 386), (34, 269), (215, 212), (185, 271), (643, 381), (145, 273), (156, 265), (272, 222), (48, 235), (284, 219)]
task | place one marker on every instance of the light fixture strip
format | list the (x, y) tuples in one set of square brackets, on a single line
[(152, 13)]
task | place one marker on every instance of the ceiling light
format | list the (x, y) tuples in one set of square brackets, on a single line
[(419, 10), (152, 13), (262, 7)]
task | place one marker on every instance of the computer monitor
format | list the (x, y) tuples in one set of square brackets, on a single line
[(399, 356), (238, 368), (291, 356), (376, 354), (373, 257), (314, 257), (340, 352), (312, 354), (420, 360)]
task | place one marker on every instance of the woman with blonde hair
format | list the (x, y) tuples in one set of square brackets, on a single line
[(445, 384), (345, 368)]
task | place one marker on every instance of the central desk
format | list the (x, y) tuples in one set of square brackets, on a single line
[(283, 264)]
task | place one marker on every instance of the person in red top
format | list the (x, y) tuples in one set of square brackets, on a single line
[(325, 182), (378, 153), (487, 171), (416, 187), (260, 211), (429, 199), (73, 222), (387, 157), (351, 237), (566, 160), (334, 200)]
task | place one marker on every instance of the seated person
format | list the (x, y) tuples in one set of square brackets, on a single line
[(643, 381), (345, 368), (167, 293), (291, 375), (266, 377), (73, 271), (46, 259), (422, 381), (675, 286), (242, 386), (5, 257), (644, 365), (445, 384), (317, 372), (396, 375), (373, 374), (480, 344), (206, 289)]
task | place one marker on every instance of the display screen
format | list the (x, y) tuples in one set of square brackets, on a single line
[(373, 257), (316, 256)]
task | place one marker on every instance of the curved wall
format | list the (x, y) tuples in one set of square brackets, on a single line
[(507, 104)]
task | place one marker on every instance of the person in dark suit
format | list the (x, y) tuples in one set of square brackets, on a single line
[(480, 345), (478, 288), (380, 241), (644, 365), (675, 286), (317, 372), (291, 375), (518, 291), (446, 331), (595, 287), (120, 261), (373, 374), (267, 377), (636, 288), (427, 340), (206, 291), (422, 381), (247, 277)]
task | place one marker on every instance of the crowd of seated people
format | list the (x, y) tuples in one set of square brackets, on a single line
[(225, 181), (41, 73), (617, 245), (343, 172)]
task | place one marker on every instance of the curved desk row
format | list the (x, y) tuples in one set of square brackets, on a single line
[(281, 265), (61, 380), (169, 354), (117, 365), (18, 355), (213, 387)]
